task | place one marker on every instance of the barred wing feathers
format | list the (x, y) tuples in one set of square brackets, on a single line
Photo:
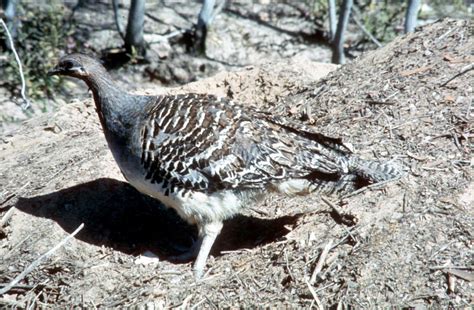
[(200, 142)]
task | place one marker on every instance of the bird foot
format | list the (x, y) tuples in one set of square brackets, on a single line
[(188, 256), (200, 248)]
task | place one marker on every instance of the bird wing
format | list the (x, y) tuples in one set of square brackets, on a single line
[(203, 143)]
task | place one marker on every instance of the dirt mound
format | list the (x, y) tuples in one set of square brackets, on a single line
[(408, 243)]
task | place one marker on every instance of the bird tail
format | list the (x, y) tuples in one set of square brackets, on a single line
[(360, 173), (370, 171)]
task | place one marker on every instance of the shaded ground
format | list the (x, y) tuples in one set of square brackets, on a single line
[(410, 245)]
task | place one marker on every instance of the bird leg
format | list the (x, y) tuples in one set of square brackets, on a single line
[(208, 233)]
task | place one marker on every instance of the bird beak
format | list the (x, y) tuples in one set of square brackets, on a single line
[(60, 70), (54, 71)]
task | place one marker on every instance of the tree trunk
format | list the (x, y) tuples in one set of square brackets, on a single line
[(338, 56), (332, 19), (134, 34), (204, 20), (9, 7), (411, 15), (115, 6)]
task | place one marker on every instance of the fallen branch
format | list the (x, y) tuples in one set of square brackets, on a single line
[(26, 104), (34, 264)]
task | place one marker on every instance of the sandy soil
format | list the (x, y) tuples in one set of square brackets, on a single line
[(407, 243)]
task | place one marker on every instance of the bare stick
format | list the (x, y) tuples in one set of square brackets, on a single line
[(444, 35), (321, 261), (371, 186), (4, 201), (315, 296), (451, 267), (166, 37), (26, 103), (463, 70), (6, 217), (465, 275), (365, 31), (345, 218), (34, 264), (333, 206)]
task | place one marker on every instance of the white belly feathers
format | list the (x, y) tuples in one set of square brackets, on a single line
[(194, 207)]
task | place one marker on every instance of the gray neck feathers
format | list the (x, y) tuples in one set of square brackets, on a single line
[(117, 109)]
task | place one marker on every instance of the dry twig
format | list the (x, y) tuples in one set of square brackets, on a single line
[(371, 186), (465, 275), (346, 219), (6, 199), (321, 261), (444, 35), (26, 104), (315, 296), (6, 217), (196, 306), (34, 264), (463, 70), (414, 156), (333, 206), (452, 267), (364, 30), (415, 71)]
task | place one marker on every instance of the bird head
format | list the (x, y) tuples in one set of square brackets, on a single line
[(76, 65)]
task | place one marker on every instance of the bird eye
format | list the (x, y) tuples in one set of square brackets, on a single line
[(68, 64)]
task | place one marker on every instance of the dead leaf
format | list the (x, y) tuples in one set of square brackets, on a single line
[(449, 98), (415, 71)]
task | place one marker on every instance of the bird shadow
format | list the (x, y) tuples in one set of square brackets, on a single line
[(118, 216)]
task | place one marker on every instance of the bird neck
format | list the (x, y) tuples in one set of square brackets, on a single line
[(117, 109)]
